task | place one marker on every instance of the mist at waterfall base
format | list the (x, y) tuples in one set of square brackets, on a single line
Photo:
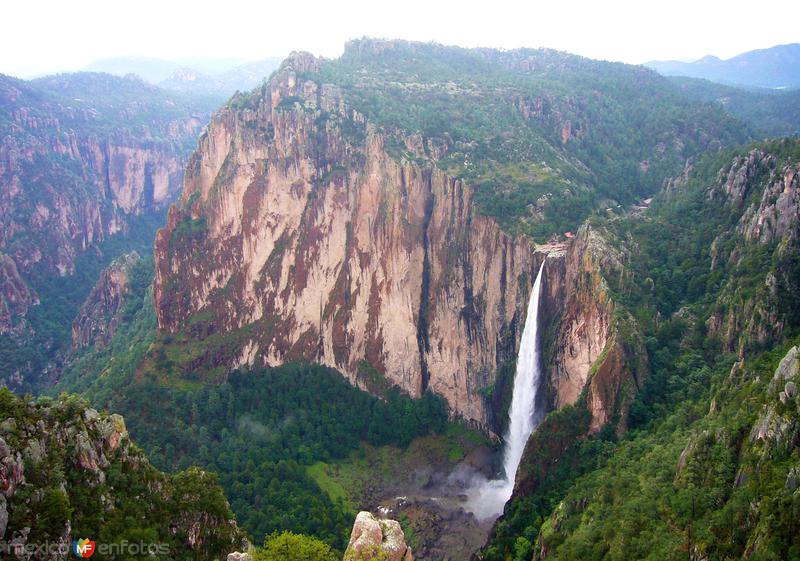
[(487, 497)]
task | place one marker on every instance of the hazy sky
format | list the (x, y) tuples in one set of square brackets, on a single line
[(40, 36)]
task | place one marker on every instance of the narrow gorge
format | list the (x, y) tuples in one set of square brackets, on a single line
[(88, 165)]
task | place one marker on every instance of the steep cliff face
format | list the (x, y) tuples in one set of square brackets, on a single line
[(591, 346), (99, 316), (15, 295), (88, 163), (301, 237), (306, 233)]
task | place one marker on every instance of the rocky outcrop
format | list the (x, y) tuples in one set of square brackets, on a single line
[(763, 190), (591, 347), (99, 317), (15, 295), (302, 238), (53, 454), (777, 426), (373, 538)]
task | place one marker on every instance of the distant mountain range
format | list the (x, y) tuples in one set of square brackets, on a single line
[(215, 77), (776, 67)]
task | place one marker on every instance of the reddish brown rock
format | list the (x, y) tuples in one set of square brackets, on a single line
[(99, 317), (318, 246), (299, 237), (15, 295)]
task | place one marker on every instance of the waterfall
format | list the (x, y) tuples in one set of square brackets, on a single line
[(487, 498)]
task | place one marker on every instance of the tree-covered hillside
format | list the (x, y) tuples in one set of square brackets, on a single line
[(709, 467), (69, 473), (545, 137), (258, 430), (771, 113)]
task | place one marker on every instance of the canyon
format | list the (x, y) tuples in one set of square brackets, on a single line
[(426, 224), (88, 164), (299, 237)]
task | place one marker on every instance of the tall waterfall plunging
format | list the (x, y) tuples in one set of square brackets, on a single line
[(487, 498)]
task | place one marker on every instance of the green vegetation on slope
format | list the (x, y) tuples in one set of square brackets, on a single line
[(61, 298), (698, 483), (731, 493), (545, 137), (768, 112), (259, 430), (69, 473)]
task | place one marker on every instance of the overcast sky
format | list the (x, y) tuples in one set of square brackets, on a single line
[(40, 36)]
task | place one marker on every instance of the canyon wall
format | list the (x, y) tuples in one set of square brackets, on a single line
[(88, 164), (592, 347), (81, 157), (305, 243), (62, 193), (302, 236)]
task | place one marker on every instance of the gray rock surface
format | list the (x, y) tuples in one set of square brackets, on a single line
[(377, 538)]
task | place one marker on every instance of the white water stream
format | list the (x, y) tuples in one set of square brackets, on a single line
[(487, 498)]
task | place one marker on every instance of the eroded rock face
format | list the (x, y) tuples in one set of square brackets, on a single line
[(15, 295), (299, 237), (774, 213), (52, 215), (305, 240), (777, 426), (98, 317), (765, 193), (588, 343), (82, 157), (374, 538)]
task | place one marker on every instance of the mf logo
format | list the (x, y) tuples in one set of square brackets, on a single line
[(83, 548)]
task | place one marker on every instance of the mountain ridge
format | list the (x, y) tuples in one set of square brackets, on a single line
[(773, 67)]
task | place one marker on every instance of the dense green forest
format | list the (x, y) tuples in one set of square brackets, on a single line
[(258, 430), (688, 478), (771, 113)]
